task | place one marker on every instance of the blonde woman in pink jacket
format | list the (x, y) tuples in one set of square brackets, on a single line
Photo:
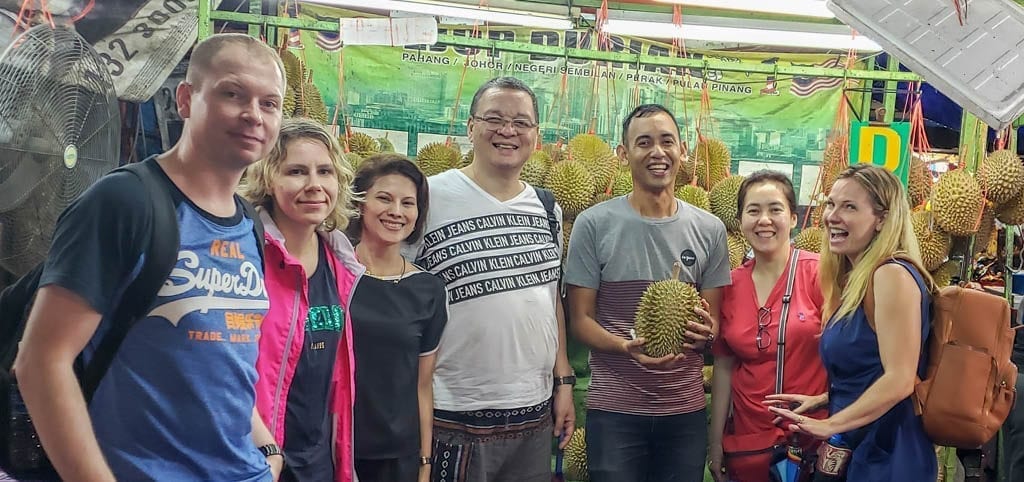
[(305, 392)]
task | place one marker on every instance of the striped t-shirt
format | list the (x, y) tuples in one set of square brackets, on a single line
[(620, 253)]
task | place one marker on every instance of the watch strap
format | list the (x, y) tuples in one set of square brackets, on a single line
[(270, 449), (568, 380)]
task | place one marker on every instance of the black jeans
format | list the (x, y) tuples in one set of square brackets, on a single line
[(1013, 437), (636, 448)]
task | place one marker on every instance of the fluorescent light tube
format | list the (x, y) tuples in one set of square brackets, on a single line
[(462, 11), (805, 8), (787, 38)]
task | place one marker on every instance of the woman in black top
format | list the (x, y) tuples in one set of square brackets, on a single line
[(398, 313)]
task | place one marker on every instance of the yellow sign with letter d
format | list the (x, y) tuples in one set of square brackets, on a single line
[(885, 146)]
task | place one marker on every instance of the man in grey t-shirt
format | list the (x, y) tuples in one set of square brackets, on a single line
[(645, 416)]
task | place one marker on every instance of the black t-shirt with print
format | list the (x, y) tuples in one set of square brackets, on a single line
[(307, 436), (392, 326)]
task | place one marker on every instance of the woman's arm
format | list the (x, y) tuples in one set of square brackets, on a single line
[(425, 396), (721, 398)]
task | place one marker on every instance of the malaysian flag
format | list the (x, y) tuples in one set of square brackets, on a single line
[(294, 34), (807, 86)]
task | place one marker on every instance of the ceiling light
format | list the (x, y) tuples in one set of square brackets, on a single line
[(803, 8), (740, 35), (461, 11)]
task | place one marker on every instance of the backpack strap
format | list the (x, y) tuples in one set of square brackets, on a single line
[(257, 223), (780, 357), (158, 260), (547, 198)]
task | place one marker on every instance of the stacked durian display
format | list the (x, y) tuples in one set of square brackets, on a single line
[(438, 157), (302, 97), (575, 458)]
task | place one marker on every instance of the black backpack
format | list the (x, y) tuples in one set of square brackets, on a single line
[(21, 455)]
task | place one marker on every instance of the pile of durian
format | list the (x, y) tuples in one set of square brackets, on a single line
[(301, 96)]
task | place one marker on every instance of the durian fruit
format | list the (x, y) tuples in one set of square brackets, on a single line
[(436, 157), (686, 171), (294, 69), (694, 195), (536, 168), (363, 144), (818, 215), (738, 249), (623, 182), (934, 242), (708, 374), (810, 239), (354, 160), (600, 198), (945, 273), (566, 232), (554, 151), (597, 156), (310, 103), (1012, 213), (712, 159), (288, 103), (724, 203), (919, 182), (1001, 175), (985, 239), (575, 461), (957, 202), (833, 163), (385, 145), (665, 308), (572, 185), (467, 159)]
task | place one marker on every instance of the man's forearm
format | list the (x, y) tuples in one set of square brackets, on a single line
[(58, 410)]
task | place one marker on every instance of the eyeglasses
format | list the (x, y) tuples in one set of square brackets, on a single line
[(496, 123), (764, 339)]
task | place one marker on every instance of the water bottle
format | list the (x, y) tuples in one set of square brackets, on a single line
[(24, 451), (833, 458)]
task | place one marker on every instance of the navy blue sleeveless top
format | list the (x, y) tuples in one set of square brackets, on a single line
[(894, 447)]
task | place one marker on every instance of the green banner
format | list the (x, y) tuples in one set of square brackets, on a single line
[(421, 94)]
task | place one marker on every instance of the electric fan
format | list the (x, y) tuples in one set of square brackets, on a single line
[(59, 132)]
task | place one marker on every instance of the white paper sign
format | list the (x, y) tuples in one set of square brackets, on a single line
[(389, 31)]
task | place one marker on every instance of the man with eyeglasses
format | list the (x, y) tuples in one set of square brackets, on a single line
[(645, 416), (502, 354)]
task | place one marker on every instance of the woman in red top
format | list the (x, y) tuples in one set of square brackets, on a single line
[(745, 351)]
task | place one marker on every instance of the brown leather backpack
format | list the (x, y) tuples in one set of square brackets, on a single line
[(969, 385)]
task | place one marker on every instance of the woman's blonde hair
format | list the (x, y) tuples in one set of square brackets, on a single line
[(259, 177), (844, 284)]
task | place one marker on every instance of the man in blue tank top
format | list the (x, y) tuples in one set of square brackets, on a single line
[(177, 402)]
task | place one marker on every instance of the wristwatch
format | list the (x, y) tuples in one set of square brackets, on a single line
[(569, 380), (270, 449), (426, 460)]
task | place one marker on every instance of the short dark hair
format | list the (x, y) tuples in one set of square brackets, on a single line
[(763, 176), (383, 164), (510, 83), (645, 110)]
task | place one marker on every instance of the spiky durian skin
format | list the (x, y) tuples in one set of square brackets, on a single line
[(536, 168), (957, 202), (833, 163), (597, 156), (436, 157), (575, 461), (713, 160), (467, 159), (354, 160), (933, 242), (385, 145), (810, 239), (738, 249), (694, 195), (623, 182), (363, 144), (294, 69), (919, 183), (572, 185), (943, 276), (1012, 213), (665, 308), (1001, 175), (288, 103), (310, 103), (985, 239), (724, 203)]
